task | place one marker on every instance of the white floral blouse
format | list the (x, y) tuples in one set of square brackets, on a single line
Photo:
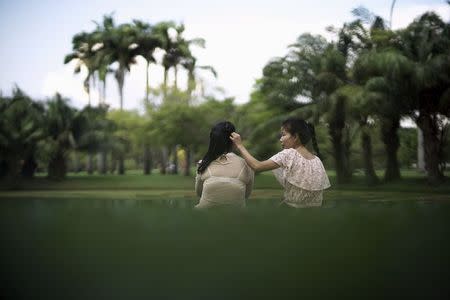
[(303, 179)]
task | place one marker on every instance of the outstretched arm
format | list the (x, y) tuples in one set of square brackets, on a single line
[(255, 164)]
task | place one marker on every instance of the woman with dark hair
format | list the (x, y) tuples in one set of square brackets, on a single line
[(299, 171), (223, 178)]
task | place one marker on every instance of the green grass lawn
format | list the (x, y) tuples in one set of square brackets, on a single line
[(135, 237), (134, 185)]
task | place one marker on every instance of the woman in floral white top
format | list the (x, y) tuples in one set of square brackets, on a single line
[(300, 172)]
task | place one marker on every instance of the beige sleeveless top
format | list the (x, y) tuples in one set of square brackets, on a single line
[(227, 181)]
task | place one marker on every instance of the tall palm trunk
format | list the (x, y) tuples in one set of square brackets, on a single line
[(94, 83), (190, 83), (87, 88), (104, 91), (147, 87), (120, 77), (343, 173), (166, 71), (147, 152), (427, 122), (175, 81), (341, 143), (366, 143), (389, 136)]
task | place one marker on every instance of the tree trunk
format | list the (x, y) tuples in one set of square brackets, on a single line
[(120, 77), (389, 136), (113, 164), (175, 160), (175, 82), (13, 167), (29, 167), (90, 164), (163, 161), (147, 87), (57, 167), (102, 161), (187, 170), (104, 92), (366, 143), (147, 160), (121, 164), (340, 145), (430, 129), (341, 164), (190, 83), (166, 71), (76, 162), (420, 152)]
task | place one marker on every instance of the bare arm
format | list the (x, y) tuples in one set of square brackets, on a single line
[(255, 164)]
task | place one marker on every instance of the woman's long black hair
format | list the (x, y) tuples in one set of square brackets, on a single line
[(219, 143), (304, 130)]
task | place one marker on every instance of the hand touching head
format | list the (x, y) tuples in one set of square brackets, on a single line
[(236, 138)]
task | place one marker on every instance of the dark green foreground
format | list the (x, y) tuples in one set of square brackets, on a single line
[(150, 244)]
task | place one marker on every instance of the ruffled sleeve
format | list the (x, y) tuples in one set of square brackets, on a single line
[(282, 158)]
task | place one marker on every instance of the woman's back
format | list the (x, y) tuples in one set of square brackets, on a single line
[(226, 181), (303, 179)]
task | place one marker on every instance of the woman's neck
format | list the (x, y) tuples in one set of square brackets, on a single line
[(304, 152)]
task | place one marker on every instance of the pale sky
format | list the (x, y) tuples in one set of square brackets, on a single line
[(241, 37)]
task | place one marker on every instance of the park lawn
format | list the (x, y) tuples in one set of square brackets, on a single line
[(136, 186)]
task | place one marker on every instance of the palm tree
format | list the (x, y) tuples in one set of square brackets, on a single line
[(119, 45), (61, 120), (83, 54), (374, 69), (426, 43), (148, 41), (177, 51), (21, 128), (176, 48), (190, 64), (161, 30), (305, 83), (94, 134)]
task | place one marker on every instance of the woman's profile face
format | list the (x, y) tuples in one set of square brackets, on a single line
[(287, 140)]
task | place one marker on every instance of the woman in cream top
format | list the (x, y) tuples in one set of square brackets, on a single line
[(223, 178)]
